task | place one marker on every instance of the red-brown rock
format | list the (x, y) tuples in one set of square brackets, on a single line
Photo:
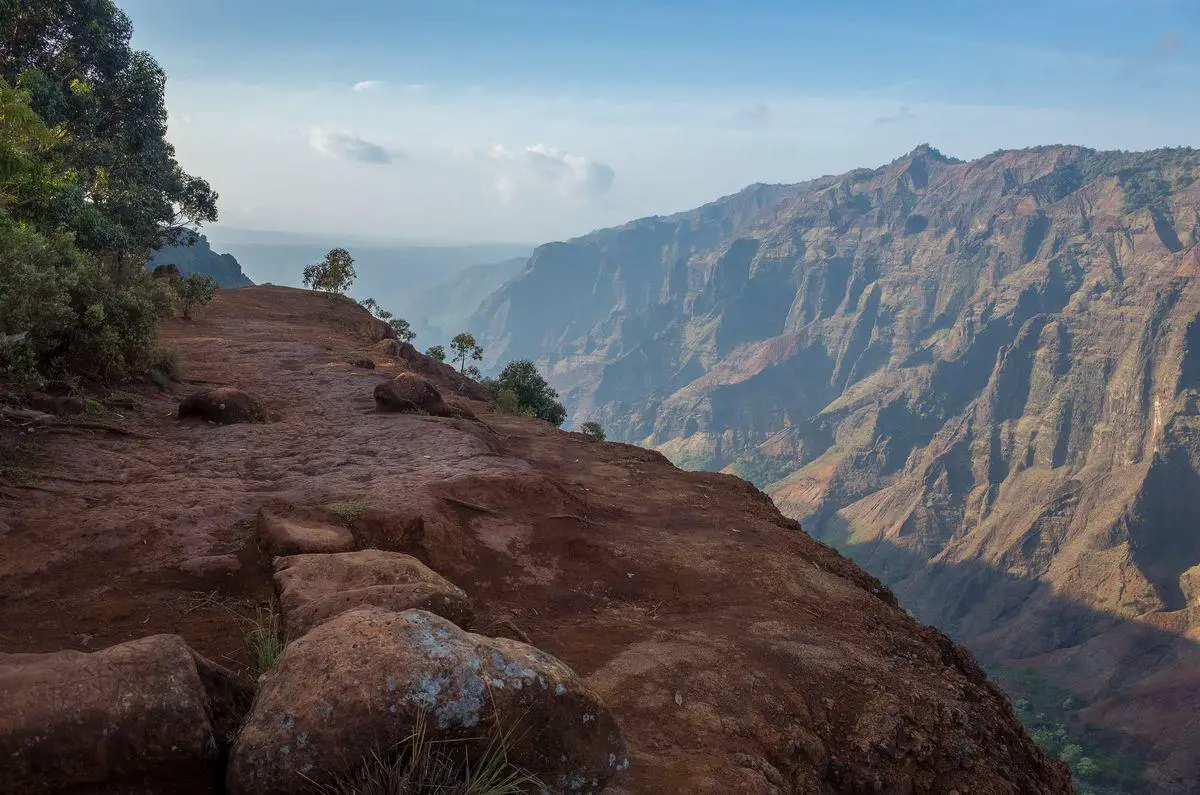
[(358, 684), (315, 588), (410, 393), (224, 406)]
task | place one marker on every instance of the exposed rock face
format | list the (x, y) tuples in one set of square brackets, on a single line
[(223, 405), (984, 375), (289, 535), (359, 682), (315, 588), (194, 255), (131, 714), (409, 392)]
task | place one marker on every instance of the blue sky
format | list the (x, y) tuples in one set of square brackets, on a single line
[(526, 120)]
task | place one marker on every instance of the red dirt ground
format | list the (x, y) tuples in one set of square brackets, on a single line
[(738, 654)]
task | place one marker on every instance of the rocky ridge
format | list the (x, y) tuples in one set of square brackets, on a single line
[(678, 611)]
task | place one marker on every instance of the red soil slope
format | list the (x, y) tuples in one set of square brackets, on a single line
[(739, 654)]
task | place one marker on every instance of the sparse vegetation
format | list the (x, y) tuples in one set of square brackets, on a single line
[(420, 764), (402, 327), (521, 389), (165, 363), (334, 274), (464, 347), (348, 511), (17, 457), (593, 429), (1046, 711), (264, 641), (194, 290), (761, 470)]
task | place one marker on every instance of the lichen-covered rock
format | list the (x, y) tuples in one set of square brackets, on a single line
[(223, 405), (359, 683), (410, 393), (315, 588), (282, 535), (135, 713)]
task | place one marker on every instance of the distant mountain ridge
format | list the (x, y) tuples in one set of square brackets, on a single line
[(198, 257), (993, 364)]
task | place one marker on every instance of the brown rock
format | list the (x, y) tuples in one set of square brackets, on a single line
[(132, 713), (223, 405), (280, 535), (315, 588), (358, 683), (169, 273), (211, 564), (362, 362), (56, 404), (388, 348), (410, 393)]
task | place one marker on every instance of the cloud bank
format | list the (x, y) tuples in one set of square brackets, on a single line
[(348, 146), (542, 169), (368, 85)]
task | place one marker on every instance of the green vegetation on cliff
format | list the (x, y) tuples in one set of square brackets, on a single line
[(89, 187)]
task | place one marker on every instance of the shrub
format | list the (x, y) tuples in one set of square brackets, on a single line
[(348, 511), (194, 290), (402, 327), (437, 353), (593, 429), (521, 387)]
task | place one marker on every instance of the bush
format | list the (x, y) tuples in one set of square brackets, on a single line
[(593, 429), (521, 389), (437, 353), (194, 290), (402, 327)]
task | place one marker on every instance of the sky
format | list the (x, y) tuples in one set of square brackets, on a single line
[(536, 120)]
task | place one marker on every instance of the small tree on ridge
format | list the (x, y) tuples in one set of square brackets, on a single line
[(334, 274), (464, 346)]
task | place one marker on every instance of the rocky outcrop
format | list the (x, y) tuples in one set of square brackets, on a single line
[(193, 254), (975, 374), (384, 672), (223, 405), (301, 535), (314, 588), (410, 393), (130, 715)]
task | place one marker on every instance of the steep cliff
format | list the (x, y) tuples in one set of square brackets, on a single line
[(195, 255), (984, 377)]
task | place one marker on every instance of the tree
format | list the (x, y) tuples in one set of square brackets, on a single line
[(437, 353), (403, 330), (334, 274), (75, 60), (195, 289), (534, 396), (464, 346), (369, 304), (593, 429)]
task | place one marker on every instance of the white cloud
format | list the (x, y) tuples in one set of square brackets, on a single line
[(368, 85), (542, 169), (350, 147)]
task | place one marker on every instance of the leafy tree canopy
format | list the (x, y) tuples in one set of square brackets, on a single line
[(334, 274), (464, 347), (533, 395)]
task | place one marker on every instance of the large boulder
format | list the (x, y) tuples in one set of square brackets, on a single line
[(131, 714), (360, 683), (223, 405), (410, 393), (287, 535), (315, 588)]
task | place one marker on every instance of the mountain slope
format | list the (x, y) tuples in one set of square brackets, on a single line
[(195, 255), (737, 653), (984, 377)]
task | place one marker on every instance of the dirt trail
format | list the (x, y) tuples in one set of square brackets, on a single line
[(739, 654)]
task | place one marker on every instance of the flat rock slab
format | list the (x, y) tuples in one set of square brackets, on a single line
[(132, 713), (280, 535), (315, 588), (211, 564), (361, 682)]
